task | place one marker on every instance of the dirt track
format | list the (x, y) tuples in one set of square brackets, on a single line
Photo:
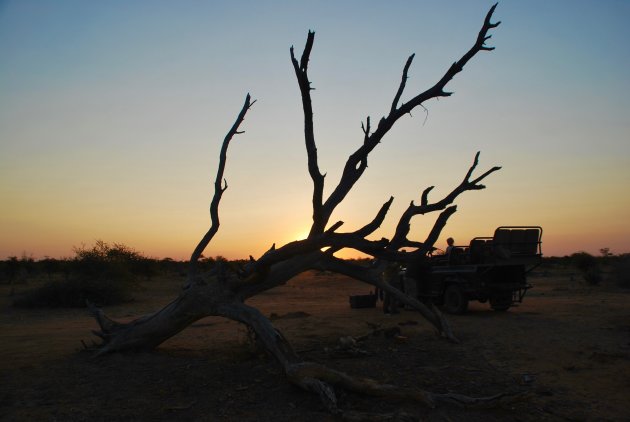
[(567, 346)]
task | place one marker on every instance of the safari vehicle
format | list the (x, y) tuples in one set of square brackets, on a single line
[(490, 269)]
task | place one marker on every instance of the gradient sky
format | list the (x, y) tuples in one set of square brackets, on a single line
[(112, 114)]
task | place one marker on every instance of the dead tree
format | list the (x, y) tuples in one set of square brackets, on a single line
[(224, 293)]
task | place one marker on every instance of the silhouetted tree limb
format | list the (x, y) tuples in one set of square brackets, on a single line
[(301, 72), (222, 292), (404, 224), (357, 162), (218, 188)]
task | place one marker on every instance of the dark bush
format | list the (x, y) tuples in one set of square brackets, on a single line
[(103, 260), (621, 270), (583, 261), (589, 267), (102, 274), (593, 276), (11, 269), (74, 293)]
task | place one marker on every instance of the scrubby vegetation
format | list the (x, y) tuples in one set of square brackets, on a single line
[(104, 274), (588, 266), (605, 268), (74, 292), (108, 274), (621, 270)]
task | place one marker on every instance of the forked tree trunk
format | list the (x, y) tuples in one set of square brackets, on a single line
[(223, 293)]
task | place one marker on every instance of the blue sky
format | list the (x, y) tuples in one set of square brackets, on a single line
[(112, 113)]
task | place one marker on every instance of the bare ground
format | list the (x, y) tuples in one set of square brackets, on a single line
[(567, 346)]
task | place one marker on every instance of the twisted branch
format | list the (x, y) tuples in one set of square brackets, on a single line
[(218, 187), (357, 162), (301, 72), (402, 229)]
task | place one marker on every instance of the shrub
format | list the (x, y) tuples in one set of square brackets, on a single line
[(621, 271), (74, 293), (101, 274), (104, 260), (11, 269), (587, 264)]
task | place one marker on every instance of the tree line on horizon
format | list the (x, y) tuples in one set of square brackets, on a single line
[(108, 273), (14, 267)]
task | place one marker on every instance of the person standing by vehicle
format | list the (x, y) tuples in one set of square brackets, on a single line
[(451, 245)]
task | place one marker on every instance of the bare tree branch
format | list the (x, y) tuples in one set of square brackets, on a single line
[(403, 82), (301, 72), (404, 224), (357, 162), (218, 189)]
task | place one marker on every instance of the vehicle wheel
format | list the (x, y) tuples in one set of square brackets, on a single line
[(501, 301), (455, 302)]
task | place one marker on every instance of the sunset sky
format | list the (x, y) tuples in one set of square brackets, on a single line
[(112, 114)]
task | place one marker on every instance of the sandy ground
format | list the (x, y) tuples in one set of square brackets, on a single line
[(566, 345)]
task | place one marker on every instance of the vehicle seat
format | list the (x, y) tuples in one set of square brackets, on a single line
[(456, 256), (479, 250), (515, 241)]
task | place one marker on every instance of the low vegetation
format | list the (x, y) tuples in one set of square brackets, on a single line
[(108, 274), (588, 266), (621, 270), (104, 274)]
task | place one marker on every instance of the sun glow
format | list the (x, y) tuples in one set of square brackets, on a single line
[(301, 234)]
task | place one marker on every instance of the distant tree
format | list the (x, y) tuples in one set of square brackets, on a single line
[(105, 260)]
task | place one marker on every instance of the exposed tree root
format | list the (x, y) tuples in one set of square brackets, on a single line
[(303, 374), (309, 371)]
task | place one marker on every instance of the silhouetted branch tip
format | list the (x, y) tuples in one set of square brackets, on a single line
[(425, 196), (401, 87), (483, 176), (334, 227), (307, 51)]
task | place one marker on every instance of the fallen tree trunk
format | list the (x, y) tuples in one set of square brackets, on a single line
[(224, 293)]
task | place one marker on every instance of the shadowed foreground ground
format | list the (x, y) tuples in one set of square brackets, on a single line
[(567, 345)]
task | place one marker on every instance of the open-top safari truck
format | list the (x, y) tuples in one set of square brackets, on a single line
[(490, 269)]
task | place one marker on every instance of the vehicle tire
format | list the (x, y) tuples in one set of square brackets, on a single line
[(455, 302), (501, 301)]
